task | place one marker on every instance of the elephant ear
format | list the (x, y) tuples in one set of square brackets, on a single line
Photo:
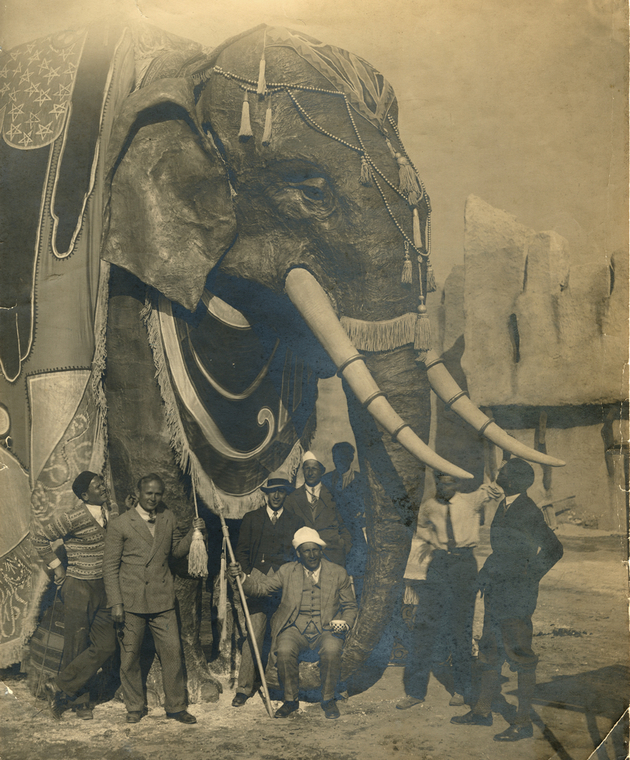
[(170, 215)]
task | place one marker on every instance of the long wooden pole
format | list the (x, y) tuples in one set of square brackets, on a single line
[(250, 627)]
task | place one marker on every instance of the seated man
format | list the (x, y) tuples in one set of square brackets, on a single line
[(314, 593), (264, 544), (140, 591), (314, 504)]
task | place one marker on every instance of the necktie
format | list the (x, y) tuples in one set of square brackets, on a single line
[(152, 516), (503, 505), (450, 534), (274, 518), (104, 516), (311, 497)]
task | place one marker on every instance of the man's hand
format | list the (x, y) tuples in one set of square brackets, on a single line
[(60, 575), (131, 501), (234, 570), (198, 523), (118, 613)]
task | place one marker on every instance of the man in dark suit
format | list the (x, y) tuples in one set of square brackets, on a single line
[(317, 608), (524, 549), (140, 590), (264, 544), (315, 505)]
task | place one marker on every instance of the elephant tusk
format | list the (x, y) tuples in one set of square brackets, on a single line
[(310, 299), (451, 394)]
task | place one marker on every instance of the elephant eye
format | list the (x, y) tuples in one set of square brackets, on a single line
[(314, 189), (302, 193)]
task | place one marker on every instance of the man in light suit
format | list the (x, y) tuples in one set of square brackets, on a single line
[(314, 503), (140, 591), (315, 592)]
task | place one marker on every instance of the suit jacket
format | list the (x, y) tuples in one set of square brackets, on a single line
[(251, 531), (135, 563), (337, 597), (524, 549), (325, 519)]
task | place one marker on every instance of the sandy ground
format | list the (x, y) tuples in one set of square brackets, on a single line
[(581, 637)]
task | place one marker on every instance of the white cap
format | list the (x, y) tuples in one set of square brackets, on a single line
[(306, 536), (310, 457)]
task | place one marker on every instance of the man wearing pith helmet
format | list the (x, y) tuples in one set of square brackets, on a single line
[(264, 544), (317, 608), (314, 503)]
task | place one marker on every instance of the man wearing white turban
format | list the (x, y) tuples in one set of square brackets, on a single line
[(314, 503)]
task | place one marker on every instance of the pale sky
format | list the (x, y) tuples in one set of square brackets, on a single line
[(520, 102)]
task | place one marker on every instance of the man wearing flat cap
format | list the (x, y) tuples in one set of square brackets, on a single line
[(264, 544), (89, 635), (317, 608), (314, 503)]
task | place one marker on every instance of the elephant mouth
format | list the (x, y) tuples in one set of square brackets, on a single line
[(311, 301)]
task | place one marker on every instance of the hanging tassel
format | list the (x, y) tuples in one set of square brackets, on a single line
[(197, 556), (422, 335), (417, 237), (407, 272), (431, 286), (266, 139), (408, 180), (366, 172), (245, 132), (262, 84)]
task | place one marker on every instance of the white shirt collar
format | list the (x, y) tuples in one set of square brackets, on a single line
[(314, 573), (271, 512), (315, 489), (510, 499), (143, 513), (96, 512)]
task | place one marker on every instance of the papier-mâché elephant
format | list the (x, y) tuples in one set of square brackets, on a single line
[(267, 226)]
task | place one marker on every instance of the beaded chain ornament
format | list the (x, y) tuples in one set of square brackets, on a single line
[(410, 187)]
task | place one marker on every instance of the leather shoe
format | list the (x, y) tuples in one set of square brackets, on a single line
[(472, 719), (56, 700), (135, 716), (239, 699), (286, 708), (85, 713), (457, 700), (330, 709), (408, 701), (183, 717), (514, 733)]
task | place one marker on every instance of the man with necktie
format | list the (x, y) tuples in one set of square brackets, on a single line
[(315, 593), (89, 635), (314, 504), (524, 549), (449, 526), (139, 587), (264, 544)]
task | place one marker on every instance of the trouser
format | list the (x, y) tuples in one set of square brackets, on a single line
[(443, 622), (506, 639), (163, 626), (289, 644), (260, 610), (89, 637)]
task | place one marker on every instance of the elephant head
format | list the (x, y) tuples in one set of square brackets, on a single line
[(271, 175)]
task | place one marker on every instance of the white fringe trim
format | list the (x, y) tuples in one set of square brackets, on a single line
[(232, 507), (385, 335)]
